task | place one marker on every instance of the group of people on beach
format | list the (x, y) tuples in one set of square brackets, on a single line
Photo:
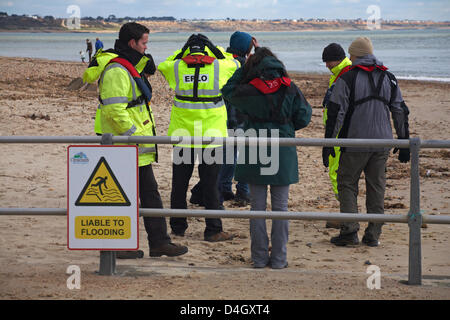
[(98, 46), (246, 88)]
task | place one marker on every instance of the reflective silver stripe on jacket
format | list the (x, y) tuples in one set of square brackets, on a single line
[(198, 106), (146, 150), (130, 131), (114, 100), (201, 92)]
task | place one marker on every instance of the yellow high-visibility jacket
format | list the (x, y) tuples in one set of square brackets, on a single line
[(198, 109), (333, 162), (122, 110)]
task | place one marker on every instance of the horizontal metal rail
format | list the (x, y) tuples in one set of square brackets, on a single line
[(393, 143), (244, 214), (414, 218)]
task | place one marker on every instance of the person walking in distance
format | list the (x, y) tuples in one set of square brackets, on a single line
[(98, 45), (89, 49)]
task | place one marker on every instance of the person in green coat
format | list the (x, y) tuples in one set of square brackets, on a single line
[(275, 107)]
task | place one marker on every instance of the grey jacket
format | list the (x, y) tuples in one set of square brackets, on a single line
[(352, 114)]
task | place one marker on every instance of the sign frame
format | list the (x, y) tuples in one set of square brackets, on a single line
[(134, 201)]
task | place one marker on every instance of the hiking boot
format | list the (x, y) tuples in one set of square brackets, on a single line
[(242, 200), (168, 249), (227, 195), (345, 239), (178, 234), (221, 236), (333, 225), (128, 254), (369, 241), (196, 199)]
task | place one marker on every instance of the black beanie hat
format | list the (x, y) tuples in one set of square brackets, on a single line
[(333, 52)]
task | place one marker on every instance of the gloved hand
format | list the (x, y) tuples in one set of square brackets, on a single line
[(404, 155), (326, 152)]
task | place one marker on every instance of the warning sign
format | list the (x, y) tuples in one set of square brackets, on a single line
[(102, 197), (102, 188), (94, 227)]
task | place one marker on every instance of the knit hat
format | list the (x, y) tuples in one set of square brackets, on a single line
[(333, 52), (240, 41), (361, 47)]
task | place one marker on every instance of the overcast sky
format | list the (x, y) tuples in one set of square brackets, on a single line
[(438, 10)]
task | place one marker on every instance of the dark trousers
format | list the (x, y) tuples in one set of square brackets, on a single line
[(226, 175), (351, 165), (225, 179), (149, 196), (181, 174)]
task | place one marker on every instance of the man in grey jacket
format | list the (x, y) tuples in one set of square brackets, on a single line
[(360, 107)]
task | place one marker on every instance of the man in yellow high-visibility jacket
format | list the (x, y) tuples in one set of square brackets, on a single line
[(334, 57), (125, 111), (196, 73)]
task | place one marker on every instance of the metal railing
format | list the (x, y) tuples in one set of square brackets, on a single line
[(414, 218)]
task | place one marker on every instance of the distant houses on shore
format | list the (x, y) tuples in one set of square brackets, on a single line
[(112, 23)]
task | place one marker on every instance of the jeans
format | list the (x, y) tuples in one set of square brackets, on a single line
[(181, 174), (258, 229), (226, 176)]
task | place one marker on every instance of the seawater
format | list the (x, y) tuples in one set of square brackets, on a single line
[(409, 54)]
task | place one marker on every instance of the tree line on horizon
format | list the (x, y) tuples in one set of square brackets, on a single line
[(110, 18)]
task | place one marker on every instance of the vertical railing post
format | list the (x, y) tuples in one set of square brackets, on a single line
[(415, 218), (107, 258)]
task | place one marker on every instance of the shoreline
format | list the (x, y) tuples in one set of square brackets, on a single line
[(331, 29), (436, 80)]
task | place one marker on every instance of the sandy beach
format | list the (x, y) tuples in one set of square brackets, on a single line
[(37, 100)]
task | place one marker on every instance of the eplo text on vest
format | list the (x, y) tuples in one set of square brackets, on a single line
[(189, 78)]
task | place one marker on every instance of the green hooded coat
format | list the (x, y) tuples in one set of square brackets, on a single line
[(285, 110)]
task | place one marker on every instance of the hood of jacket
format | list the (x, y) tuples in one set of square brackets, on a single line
[(369, 60), (268, 68), (237, 55)]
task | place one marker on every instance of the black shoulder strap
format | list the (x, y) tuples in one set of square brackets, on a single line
[(351, 82), (376, 90)]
